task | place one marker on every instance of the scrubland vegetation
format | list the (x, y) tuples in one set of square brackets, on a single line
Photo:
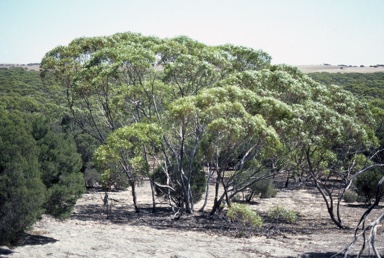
[(109, 111)]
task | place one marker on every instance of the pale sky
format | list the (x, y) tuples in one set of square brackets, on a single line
[(295, 32)]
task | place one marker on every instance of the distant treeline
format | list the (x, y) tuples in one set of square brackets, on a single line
[(344, 65), (29, 64), (367, 85)]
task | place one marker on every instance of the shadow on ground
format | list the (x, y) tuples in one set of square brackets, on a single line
[(30, 239), (199, 221), (319, 255), (4, 251), (330, 255)]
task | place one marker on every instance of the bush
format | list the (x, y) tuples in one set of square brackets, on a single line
[(22, 192), (366, 184), (350, 197), (60, 165), (264, 187), (244, 215), (63, 195), (279, 214)]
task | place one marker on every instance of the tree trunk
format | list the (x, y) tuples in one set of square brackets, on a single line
[(217, 201), (329, 203), (153, 194), (207, 187), (227, 199), (287, 181), (133, 186), (250, 197)]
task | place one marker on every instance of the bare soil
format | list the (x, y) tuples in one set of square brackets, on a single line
[(91, 233)]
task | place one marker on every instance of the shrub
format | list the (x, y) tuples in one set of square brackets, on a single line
[(264, 187), (244, 215), (366, 184), (280, 214), (62, 196), (22, 192), (350, 197), (60, 164)]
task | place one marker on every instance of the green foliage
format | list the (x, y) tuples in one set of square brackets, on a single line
[(60, 164), (24, 91), (280, 214), (366, 85), (244, 215), (22, 192), (62, 196), (126, 155), (366, 184), (39, 166)]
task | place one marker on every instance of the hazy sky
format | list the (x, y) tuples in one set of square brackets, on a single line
[(291, 31)]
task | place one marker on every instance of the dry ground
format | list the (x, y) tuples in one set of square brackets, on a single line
[(89, 233)]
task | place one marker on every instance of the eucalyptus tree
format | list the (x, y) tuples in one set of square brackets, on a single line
[(232, 129), (336, 132), (326, 134), (329, 148), (91, 71), (190, 70), (245, 59), (218, 104), (128, 149), (126, 78), (109, 82)]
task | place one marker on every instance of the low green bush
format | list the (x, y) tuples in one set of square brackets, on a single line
[(264, 187), (244, 215), (280, 214)]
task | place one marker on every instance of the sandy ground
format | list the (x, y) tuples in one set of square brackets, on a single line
[(89, 233)]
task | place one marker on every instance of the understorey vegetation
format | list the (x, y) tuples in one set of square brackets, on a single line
[(187, 117)]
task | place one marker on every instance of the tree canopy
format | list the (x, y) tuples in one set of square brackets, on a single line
[(221, 105)]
